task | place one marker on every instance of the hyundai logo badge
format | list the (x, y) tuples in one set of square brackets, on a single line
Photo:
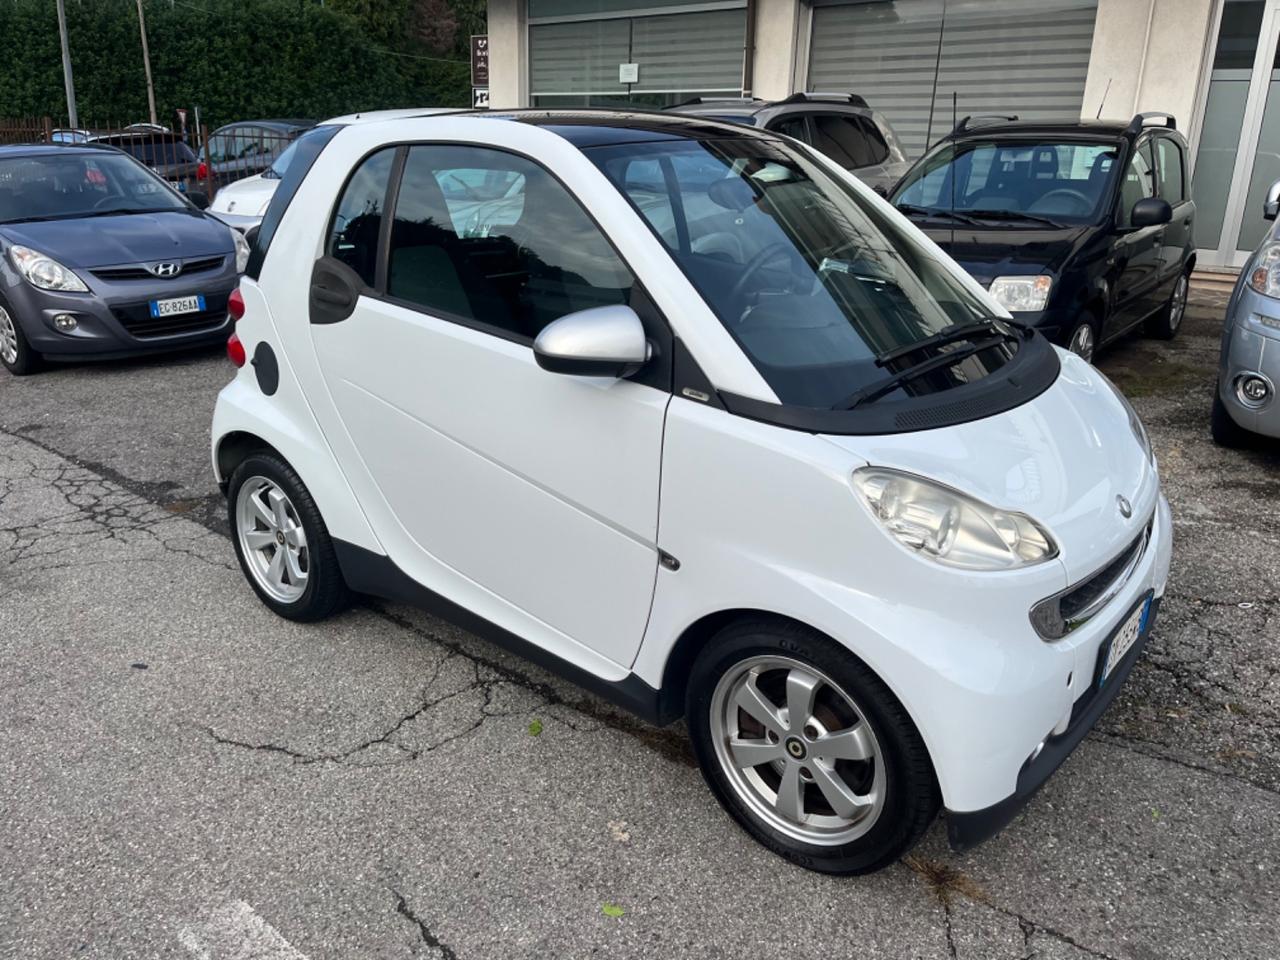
[(166, 269), (1126, 508)]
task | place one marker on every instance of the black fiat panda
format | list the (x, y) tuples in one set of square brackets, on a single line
[(1083, 229)]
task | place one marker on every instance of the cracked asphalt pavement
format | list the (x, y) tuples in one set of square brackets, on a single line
[(182, 774)]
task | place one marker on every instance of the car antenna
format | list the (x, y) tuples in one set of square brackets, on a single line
[(955, 169), (1098, 115)]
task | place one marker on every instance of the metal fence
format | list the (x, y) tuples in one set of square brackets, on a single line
[(193, 160)]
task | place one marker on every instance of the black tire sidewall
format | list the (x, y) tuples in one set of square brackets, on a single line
[(325, 590), (911, 797)]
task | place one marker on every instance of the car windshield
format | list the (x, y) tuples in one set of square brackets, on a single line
[(281, 163), (827, 294), (60, 187), (1017, 180)]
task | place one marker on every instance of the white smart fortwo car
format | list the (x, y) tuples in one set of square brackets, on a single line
[(682, 410)]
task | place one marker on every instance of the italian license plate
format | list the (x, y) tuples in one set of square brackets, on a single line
[(1124, 639), (176, 305)]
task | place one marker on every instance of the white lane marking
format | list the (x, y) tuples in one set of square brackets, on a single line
[(235, 932)]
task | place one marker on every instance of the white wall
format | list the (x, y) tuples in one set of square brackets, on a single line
[(508, 64), (777, 26), (1151, 53)]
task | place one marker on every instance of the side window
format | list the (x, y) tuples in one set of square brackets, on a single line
[(792, 127), (1172, 180), (849, 140), (1139, 181), (515, 262), (353, 234), (218, 148)]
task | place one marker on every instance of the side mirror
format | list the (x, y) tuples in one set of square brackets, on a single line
[(1271, 205), (1150, 212), (199, 199), (599, 342)]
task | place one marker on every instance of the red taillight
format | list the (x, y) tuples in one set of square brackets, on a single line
[(235, 350), (235, 305), (202, 171)]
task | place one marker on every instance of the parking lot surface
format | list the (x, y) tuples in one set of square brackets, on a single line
[(182, 774)]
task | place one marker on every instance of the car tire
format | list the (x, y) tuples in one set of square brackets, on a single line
[(281, 541), (1083, 338), (879, 760), (1165, 324), (1225, 431), (15, 352)]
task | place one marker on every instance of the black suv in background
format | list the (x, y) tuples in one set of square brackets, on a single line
[(1082, 229), (841, 125)]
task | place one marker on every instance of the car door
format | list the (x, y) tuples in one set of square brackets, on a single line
[(540, 488), (1171, 169), (1138, 251)]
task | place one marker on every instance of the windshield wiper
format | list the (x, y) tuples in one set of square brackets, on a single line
[(119, 212), (942, 361), (29, 220), (1014, 215), (934, 212), (957, 331)]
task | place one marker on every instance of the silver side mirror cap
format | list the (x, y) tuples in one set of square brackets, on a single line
[(599, 342), (1271, 205)]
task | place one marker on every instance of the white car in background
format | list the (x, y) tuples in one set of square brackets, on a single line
[(242, 204), (770, 460)]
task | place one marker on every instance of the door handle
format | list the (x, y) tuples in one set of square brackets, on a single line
[(333, 298), (335, 289)]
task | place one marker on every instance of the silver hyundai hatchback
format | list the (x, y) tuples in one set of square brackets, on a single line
[(1249, 368)]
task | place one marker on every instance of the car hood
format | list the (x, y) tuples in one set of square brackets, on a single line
[(136, 238), (1063, 458), (247, 198), (987, 254)]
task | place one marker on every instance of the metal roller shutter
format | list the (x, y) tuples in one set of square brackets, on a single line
[(1029, 58), (689, 52), (578, 58)]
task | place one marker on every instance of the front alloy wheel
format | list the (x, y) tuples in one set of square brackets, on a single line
[(1083, 342), (807, 748), (15, 353), (797, 750)]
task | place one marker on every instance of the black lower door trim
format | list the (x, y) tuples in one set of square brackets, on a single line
[(377, 575)]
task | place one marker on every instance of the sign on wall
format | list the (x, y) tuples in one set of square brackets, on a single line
[(480, 60), (480, 98), (628, 73)]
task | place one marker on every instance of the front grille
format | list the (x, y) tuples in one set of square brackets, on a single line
[(136, 318), (137, 271), (1076, 602), (1054, 617)]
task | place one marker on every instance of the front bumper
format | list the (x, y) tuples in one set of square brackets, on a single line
[(113, 319), (1036, 762), (1251, 346), (965, 830)]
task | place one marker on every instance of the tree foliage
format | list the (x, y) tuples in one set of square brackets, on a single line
[(235, 59)]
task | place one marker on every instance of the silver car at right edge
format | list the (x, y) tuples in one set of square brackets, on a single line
[(1244, 404)]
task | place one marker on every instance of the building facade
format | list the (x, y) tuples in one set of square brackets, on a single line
[(1213, 64)]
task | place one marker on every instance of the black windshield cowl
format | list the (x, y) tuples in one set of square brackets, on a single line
[(1032, 370)]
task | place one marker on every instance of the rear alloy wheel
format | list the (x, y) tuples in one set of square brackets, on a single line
[(1164, 325), (281, 541), (15, 353), (1084, 340), (807, 749)]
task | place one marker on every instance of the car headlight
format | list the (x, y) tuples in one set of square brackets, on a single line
[(242, 249), (45, 272), (1022, 294), (1264, 277), (950, 527), (1135, 422)]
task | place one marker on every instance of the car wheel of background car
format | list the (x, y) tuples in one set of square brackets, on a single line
[(1164, 325), (807, 749), (1083, 341), (1226, 432), (281, 541), (15, 353)]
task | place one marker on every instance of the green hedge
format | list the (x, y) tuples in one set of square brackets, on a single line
[(235, 59)]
